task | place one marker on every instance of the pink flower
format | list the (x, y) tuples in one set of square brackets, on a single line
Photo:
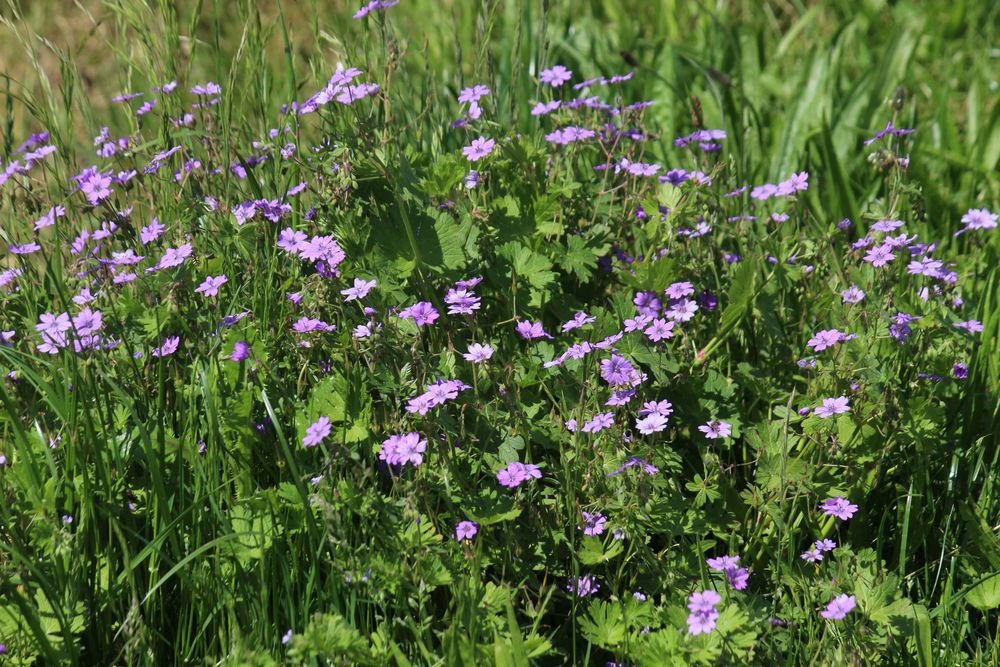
[(716, 429), (703, 613), (479, 149), (659, 330), (422, 312), (839, 507), (516, 474), (403, 448), (210, 286), (528, 330), (316, 432), (653, 423), (466, 530), (360, 289), (839, 607), (478, 353), (167, 347), (679, 290), (880, 255), (832, 406), (555, 76)]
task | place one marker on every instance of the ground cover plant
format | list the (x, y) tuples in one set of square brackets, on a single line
[(594, 333)]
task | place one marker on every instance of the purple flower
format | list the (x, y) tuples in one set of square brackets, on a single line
[(49, 218), (402, 449), (827, 338), (839, 507), (206, 89), (438, 393), (889, 130), (568, 135), (647, 303), (173, 257), (652, 423), (583, 586), (360, 289), (972, 326), (764, 192), (241, 351), (683, 310), (291, 240), (663, 407), (87, 322), (593, 523), (308, 325), (374, 5), (25, 248), (473, 94), (580, 319), (471, 180), (478, 149), (599, 422), (210, 286), (316, 432), (880, 255), (978, 218), (960, 371), (543, 108), (813, 555), (738, 578), (832, 406), (555, 76), (853, 294), (707, 300), (53, 329), (167, 347), (703, 613), (679, 290), (322, 249), (478, 353), (461, 302), (699, 136), (517, 473), (716, 429), (529, 330), (839, 607), (422, 313), (886, 225), (647, 468), (95, 186), (659, 330), (619, 372), (151, 232), (466, 530), (637, 323)]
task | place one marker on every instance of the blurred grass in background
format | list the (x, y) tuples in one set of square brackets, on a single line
[(803, 82)]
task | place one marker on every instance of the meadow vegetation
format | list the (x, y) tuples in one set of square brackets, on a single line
[(433, 333)]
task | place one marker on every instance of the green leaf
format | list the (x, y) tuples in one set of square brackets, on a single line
[(580, 257), (594, 551), (528, 265), (604, 624), (985, 596)]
